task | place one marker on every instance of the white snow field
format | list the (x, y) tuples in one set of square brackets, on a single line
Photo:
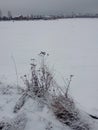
[(73, 48)]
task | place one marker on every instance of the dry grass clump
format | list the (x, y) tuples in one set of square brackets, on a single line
[(64, 109), (66, 112), (43, 88)]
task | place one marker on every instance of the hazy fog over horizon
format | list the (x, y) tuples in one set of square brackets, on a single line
[(48, 6)]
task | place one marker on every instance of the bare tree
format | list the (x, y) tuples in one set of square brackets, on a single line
[(0, 13), (9, 14)]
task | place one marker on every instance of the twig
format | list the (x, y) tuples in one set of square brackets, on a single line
[(13, 59), (67, 89)]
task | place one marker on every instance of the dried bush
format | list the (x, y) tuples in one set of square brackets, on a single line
[(38, 86), (41, 78)]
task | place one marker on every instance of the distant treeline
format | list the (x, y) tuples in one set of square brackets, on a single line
[(45, 17)]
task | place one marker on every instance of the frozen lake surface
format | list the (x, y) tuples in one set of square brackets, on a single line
[(73, 48)]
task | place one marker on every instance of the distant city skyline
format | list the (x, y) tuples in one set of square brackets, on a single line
[(26, 7)]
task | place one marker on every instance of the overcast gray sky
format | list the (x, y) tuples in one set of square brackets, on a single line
[(49, 6)]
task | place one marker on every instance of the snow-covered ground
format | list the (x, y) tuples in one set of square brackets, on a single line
[(32, 115), (73, 48)]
